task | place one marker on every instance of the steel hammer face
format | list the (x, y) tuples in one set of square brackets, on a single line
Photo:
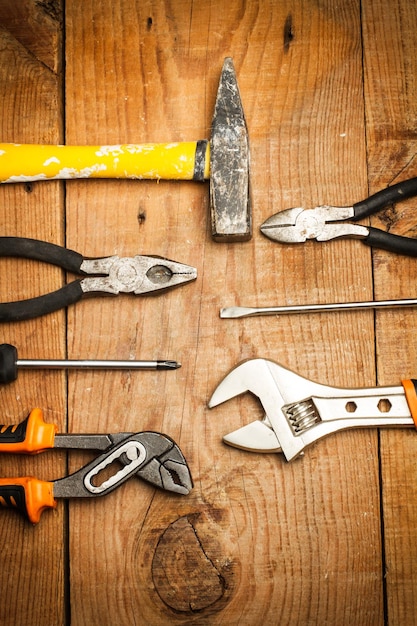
[(230, 201)]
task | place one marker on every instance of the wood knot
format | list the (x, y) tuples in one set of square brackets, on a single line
[(184, 575), (141, 217), (288, 33)]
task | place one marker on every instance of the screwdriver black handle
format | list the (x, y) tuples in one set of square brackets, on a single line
[(8, 363)]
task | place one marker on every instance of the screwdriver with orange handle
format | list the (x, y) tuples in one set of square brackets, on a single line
[(152, 456)]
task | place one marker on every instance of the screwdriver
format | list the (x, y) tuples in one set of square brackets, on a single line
[(9, 364), (242, 311)]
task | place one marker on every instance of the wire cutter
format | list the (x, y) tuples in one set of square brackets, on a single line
[(110, 275), (297, 225), (149, 455)]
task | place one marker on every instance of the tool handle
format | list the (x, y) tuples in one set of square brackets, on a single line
[(410, 390), (393, 243), (170, 161), (31, 436), (36, 250), (380, 199), (28, 495), (48, 303), (8, 363)]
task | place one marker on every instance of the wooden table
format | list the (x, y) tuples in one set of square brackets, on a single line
[(329, 91)]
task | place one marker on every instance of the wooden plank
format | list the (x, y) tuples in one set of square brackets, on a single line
[(391, 72), (276, 542), (32, 574)]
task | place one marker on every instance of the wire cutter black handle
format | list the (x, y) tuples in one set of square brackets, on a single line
[(379, 238), (392, 243), (380, 199), (48, 253)]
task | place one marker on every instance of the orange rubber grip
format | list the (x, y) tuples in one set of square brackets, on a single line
[(31, 436), (28, 495), (410, 389)]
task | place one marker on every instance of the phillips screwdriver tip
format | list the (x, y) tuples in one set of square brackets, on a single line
[(167, 365)]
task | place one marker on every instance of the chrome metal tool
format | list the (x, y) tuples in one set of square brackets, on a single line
[(152, 456), (10, 363), (112, 275), (245, 311), (325, 222), (299, 412)]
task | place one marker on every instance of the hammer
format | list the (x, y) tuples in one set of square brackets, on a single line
[(224, 160)]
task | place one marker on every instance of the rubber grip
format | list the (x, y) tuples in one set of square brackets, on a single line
[(380, 199), (28, 495), (31, 436), (169, 161), (410, 390), (26, 248), (35, 307), (8, 363), (393, 243)]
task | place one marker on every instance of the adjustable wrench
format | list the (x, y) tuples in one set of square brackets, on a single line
[(299, 411)]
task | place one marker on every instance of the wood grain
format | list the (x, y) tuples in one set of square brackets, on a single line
[(328, 92), (391, 111), (33, 570)]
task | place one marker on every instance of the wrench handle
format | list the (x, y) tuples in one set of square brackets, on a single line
[(410, 390), (168, 161), (27, 495)]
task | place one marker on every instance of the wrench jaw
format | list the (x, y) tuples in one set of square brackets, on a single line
[(276, 387), (258, 436)]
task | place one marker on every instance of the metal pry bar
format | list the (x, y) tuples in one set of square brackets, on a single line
[(299, 412)]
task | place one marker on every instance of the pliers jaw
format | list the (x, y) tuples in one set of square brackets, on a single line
[(138, 275), (152, 456), (109, 275), (165, 466), (297, 225)]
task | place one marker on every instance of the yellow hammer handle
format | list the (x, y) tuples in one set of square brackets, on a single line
[(169, 161)]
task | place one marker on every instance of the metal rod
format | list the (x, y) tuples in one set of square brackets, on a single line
[(97, 364), (240, 311)]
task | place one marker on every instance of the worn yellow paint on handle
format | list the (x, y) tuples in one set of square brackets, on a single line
[(28, 162)]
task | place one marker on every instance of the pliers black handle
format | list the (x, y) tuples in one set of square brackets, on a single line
[(48, 253), (108, 275), (298, 224)]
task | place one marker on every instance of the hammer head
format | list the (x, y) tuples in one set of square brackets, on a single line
[(230, 201)]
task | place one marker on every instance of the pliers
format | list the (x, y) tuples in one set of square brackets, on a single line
[(110, 275), (149, 455), (297, 225)]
